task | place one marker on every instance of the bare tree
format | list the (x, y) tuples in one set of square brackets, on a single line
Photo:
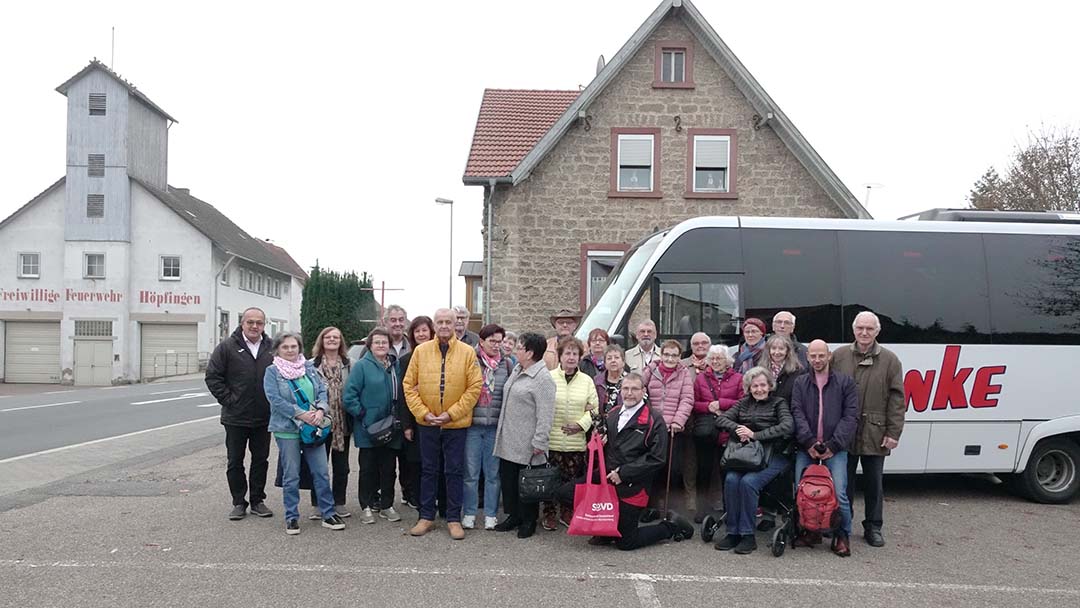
[(1043, 175)]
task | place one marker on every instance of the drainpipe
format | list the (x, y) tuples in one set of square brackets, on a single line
[(214, 312), (487, 271)]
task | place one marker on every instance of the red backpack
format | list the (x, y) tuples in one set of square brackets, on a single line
[(816, 500)]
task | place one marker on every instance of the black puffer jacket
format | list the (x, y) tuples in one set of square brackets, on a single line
[(235, 379), (770, 420)]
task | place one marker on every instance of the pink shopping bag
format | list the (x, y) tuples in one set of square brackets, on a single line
[(596, 505)]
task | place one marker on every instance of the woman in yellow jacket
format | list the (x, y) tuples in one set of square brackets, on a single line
[(575, 403)]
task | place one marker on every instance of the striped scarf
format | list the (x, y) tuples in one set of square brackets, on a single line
[(334, 376), (488, 365)]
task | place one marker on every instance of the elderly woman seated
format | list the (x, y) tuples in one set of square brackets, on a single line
[(756, 417)]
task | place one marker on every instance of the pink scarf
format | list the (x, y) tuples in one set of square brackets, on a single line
[(290, 370), (488, 365)]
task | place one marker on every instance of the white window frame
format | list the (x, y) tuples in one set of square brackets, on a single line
[(590, 255), (225, 275), (649, 137), (727, 169), (86, 265), (22, 265), (161, 268), (672, 52), (260, 281)]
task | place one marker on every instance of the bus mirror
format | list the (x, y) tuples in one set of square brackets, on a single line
[(618, 339)]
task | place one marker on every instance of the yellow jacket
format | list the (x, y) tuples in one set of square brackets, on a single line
[(574, 404), (460, 390)]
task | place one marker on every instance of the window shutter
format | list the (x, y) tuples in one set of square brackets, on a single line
[(711, 153), (95, 205), (635, 152), (97, 104), (95, 165)]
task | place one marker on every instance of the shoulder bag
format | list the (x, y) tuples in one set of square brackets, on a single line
[(311, 435)]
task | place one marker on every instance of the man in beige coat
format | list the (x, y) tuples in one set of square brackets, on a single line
[(880, 384)]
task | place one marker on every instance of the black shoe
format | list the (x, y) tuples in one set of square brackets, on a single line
[(727, 543), (292, 527), (508, 524), (649, 515), (526, 530), (334, 523), (874, 538), (748, 544), (600, 541), (238, 512), (681, 528), (766, 524), (260, 509)]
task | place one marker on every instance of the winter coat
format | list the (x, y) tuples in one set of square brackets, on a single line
[(785, 383), (488, 415), (637, 360), (371, 395), (841, 411), (880, 381), (639, 451), (575, 403), (284, 407), (435, 384), (674, 398), (235, 379), (769, 419), (727, 390), (527, 412), (602, 394)]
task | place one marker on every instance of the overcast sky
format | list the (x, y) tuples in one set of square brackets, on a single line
[(331, 129)]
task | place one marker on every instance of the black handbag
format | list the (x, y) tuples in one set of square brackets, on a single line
[(382, 431), (704, 427), (747, 457), (537, 483)]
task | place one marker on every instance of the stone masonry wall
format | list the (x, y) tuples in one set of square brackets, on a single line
[(540, 224)]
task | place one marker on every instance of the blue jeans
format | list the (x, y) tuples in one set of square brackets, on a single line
[(444, 447), (741, 491), (837, 466), (480, 456), (290, 454)]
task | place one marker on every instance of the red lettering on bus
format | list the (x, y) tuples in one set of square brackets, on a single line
[(917, 388), (983, 390), (950, 386), (950, 392)]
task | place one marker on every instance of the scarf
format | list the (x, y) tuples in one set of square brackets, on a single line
[(599, 363), (488, 364), (776, 369), (666, 371), (744, 360), (290, 370), (333, 375)]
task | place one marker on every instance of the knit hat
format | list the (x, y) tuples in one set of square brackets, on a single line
[(758, 323)]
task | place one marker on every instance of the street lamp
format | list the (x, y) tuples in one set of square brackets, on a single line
[(446, 201)]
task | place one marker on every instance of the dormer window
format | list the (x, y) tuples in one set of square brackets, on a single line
[(97, 104), (674, 67)]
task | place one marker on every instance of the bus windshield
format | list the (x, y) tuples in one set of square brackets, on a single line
[(618, 287)]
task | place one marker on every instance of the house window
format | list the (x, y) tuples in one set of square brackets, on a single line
[(97, 104), (250, 281), (674, 67), (170, 268), (223, 325), (710, 167), (598, 266), (225, 276), (635, 163), (95, 165), (259, 283), (29, 265), (93, 265), (95, 205)]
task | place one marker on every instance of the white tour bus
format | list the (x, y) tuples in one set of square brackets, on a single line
[(984, 315)]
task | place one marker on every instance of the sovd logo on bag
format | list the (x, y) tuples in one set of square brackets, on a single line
[(603, 506)]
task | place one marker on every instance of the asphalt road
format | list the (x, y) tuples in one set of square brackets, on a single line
[(43, 417)]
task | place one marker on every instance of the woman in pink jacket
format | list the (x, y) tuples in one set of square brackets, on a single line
[(716, 390), (670, 389)]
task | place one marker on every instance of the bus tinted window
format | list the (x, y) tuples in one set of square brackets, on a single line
[(924, 287), (689, 303), (794, 270), (703, 250), (1035, 288)]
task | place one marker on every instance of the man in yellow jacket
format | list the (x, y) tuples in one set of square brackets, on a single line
[(441, 387)]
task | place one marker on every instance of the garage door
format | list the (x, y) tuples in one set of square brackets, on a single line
[(32, 352), (169, 350)]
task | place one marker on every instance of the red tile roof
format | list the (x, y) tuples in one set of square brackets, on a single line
[(511, 121)]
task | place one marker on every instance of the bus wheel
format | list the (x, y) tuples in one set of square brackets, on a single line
[(1052, 474)]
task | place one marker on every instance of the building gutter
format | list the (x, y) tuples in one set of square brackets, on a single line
[(487, 271)]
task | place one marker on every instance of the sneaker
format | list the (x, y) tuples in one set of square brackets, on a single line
[(334, 523), (315, 516), (747, 544), (389, 514), (508, 524), (367, 517), (238, 512), (490, 522), (468, 522), (728, 543), (260, 509), (340, 510), (412, 504), (292, 527), (550, 521), (566, 514)]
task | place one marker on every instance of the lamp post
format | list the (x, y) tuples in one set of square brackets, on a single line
[(446, 201)]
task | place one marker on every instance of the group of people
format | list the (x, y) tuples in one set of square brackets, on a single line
[(455, 417)]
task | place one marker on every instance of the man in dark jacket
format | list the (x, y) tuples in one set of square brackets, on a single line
[(783, 323), (234, 376), (825, 407), (635, 451), (879, 378)]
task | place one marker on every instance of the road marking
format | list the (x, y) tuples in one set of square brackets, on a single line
[(214, 404), (34, 407), (185, 396), (646, 593), (104, 439), (4, 396), (67, 390), (576, 576), (113, 388), (178, 390)]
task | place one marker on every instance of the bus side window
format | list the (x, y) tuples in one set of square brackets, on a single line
[(1034, 288)]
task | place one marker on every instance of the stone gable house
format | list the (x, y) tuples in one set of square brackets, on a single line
[(673, 127)]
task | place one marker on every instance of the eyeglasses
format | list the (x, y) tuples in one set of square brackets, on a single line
[(669, 355), (783, 322)]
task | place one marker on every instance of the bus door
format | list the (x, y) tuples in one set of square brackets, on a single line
[(684, 304)]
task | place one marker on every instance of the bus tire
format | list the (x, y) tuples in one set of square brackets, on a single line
[(1052, 474)]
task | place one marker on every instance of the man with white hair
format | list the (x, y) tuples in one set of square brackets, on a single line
[(461, 327), (880, 384), (783, 323), (646, 351)]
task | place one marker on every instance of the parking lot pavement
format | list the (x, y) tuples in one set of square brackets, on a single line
[(155, 534)]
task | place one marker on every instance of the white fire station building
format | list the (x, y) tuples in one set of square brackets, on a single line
[(111, 275)]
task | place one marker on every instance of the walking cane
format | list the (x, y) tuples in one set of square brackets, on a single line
[(667, 488)]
